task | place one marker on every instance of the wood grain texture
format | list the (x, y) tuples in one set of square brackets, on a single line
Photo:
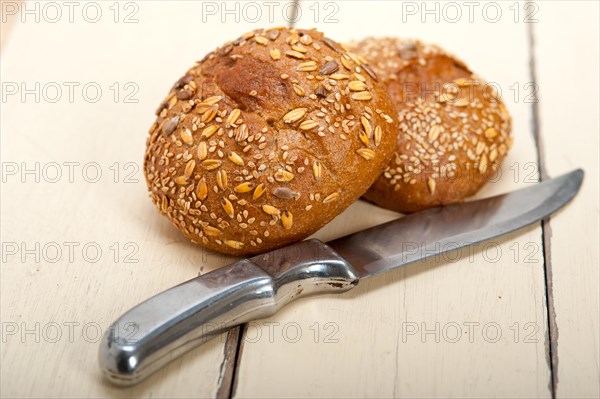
[(396, 335), (569, 83), (428, 330)]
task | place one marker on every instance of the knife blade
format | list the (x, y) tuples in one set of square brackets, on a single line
[(171, 323)]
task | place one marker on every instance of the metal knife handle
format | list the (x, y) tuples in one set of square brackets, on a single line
[(171, 323)]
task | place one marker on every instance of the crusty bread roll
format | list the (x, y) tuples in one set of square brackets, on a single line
[(454, 130), (267, 139)]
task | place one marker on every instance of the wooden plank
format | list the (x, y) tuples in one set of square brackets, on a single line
[(65, 302), (407, 333), (567, 61)]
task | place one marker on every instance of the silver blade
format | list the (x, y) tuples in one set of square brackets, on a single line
[(435, 231)]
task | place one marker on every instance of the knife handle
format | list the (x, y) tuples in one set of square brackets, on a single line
[(171, 323)]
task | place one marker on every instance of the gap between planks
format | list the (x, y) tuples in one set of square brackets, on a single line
[(552, 335)]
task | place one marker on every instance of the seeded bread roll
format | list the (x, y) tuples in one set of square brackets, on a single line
[(267, 139), (454, 131)]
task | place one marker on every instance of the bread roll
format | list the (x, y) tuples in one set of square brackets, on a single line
[(454, 131), (267, 139)]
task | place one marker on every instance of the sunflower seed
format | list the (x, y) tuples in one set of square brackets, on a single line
[(330, 67), (184, 94), (170, 126), (285, 193), (331, 44), (369, 72), (321, 92)]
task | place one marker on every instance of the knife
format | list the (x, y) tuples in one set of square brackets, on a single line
[(171, 323)]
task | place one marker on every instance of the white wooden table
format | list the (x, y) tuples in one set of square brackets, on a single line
[(82, 243)]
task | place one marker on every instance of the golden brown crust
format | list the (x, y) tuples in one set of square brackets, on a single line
[(267, 139), (454, 131)]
